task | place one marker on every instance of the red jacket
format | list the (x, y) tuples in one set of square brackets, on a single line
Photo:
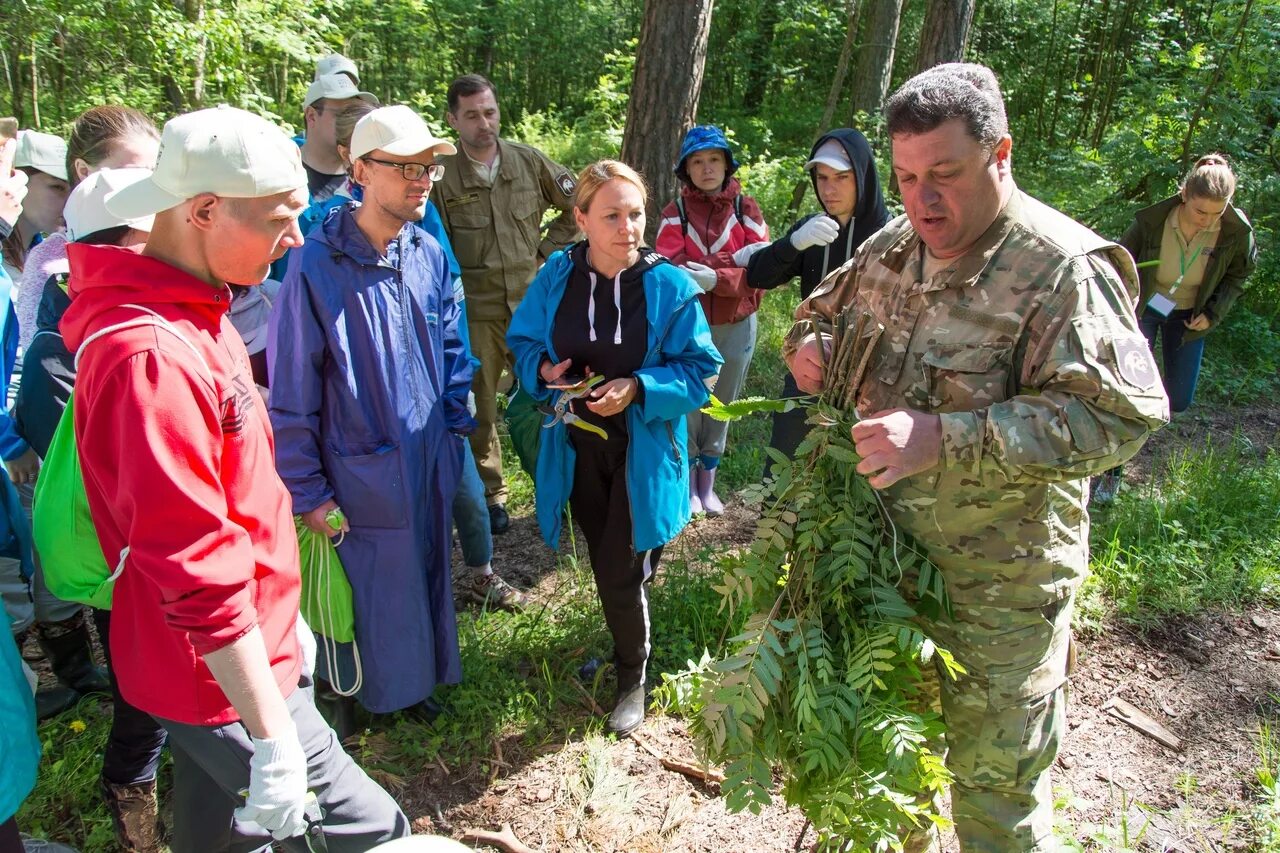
[(714, 233), (181, 470)]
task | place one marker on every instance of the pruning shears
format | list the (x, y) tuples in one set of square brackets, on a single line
[(560, 411)]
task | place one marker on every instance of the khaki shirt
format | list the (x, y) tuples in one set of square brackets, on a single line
[(1182, 264), (1028, 348), (496, 230)]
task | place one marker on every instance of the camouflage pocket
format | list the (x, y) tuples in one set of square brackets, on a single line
[(964, 377)]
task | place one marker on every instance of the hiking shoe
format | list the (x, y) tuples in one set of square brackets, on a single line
[(499, 521), (492, 591), (1105, 489)]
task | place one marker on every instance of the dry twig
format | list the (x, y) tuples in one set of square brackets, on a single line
[(504, 839)]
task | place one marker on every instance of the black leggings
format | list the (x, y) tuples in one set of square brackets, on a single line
[(132, 754), (602, 508)]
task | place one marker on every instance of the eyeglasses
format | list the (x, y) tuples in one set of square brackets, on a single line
[(412, 171)]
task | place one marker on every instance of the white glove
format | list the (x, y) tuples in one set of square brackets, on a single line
[(818, 231), (277, 787), (306, 645), (705, 276), (743, 255)]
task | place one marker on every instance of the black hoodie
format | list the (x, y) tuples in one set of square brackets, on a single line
[(781, 261)]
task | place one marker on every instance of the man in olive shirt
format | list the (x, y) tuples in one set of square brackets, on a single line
[(492, 199)]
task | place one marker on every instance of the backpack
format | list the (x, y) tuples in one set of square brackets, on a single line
[(70, 553)]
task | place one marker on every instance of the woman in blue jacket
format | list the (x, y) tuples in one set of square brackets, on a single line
[(611, 307)]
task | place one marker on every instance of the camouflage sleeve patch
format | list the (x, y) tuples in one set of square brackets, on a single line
[(1134, 362), (567, 184)]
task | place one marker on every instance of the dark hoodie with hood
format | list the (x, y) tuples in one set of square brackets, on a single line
[(781, 262)]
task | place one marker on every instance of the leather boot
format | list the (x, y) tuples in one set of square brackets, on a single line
[(628, 710), (695, 496), (135, 815), (707, 492), (69, 647)]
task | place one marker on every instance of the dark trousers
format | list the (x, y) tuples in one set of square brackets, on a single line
[(136, 741), (789, 428), (10, 838), (602, 508), (211, 768), (1181, 360)]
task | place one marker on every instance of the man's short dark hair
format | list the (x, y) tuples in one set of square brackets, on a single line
[(962, 90), (468, 85)]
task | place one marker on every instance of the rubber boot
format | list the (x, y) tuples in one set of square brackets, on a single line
[(135, 815), (711, 502), (695, 495), (628, 710), (69, 647), (338, 711)]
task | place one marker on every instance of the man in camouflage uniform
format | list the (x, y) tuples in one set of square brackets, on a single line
[(1005, 367), (491, 199)]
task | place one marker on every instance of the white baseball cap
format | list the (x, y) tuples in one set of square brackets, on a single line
[(42, 151), (397, 130), (336, 86), (86, 209), (221, 150), (336, 63), (831, 153)]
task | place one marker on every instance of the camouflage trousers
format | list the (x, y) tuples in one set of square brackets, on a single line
[(1005, 720)]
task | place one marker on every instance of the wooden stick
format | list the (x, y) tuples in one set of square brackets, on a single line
[(591, 700), (505, 839), (705, 774)]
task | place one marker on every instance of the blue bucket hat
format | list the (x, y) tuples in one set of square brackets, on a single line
[(699, 138)]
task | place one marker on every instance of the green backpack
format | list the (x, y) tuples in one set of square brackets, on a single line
[(67, 545)]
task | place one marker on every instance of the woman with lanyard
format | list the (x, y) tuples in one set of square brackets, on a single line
[(1194, 252), (611, 335)]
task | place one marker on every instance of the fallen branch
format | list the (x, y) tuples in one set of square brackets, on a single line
[(706, 774), (504, 840), (591, 700)]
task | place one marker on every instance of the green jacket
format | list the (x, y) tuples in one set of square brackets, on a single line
[(496, 231), (1224, 276)]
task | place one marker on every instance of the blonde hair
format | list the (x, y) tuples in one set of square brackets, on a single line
[(602, 172), (1211, 177)]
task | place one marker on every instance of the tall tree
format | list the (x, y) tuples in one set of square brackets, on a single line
[(665, 92), (875, 63), (945, 32)]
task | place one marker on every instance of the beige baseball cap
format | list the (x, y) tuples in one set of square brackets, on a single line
[(86, 209), (831, 154), (336, 86), (221, 150), (42, 151), (398, 131), (336, 63)]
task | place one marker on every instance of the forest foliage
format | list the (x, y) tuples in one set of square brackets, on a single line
[(1108, 99)]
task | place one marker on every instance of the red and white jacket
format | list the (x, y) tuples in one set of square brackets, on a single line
[(714, 232)]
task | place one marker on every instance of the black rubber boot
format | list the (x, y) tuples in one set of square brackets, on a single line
[(338, 711), (628, 711), (69, 647)]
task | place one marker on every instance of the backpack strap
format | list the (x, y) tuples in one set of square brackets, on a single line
[(154, 320), (737, 210), (684, 217)]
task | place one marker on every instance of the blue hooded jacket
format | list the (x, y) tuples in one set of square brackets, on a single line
[(679, 366)]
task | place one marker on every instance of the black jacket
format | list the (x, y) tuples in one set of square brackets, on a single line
[(48, 371), (781, 261), (1230, 262)]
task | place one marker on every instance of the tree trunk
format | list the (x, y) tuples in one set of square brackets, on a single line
[(1214, 79), (759, 68), (945, 32), (35, 88), (194, 12), (875, 63), (664, 94)]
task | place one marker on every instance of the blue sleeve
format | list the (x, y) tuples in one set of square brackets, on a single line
[(527, 334), (458, 364), (295, 358), (433, 225), (690, 361)]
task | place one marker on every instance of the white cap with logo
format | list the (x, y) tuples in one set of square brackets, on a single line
[(221, 150), (336, 63), (86, 210), (397, 130), (42, 151), (336, 86), (831, 153)]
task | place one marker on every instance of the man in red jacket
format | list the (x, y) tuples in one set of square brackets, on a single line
[(177, 458)]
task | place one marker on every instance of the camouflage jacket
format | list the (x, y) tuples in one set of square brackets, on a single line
[(1028, 349)]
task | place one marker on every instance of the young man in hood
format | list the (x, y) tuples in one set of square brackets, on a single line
[(369, 402), (178, 464), (843, 171)]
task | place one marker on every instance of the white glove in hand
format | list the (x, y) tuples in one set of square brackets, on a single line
[(818, 231), (306, 645), (705, 276), (277, 787), (743, 255)]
